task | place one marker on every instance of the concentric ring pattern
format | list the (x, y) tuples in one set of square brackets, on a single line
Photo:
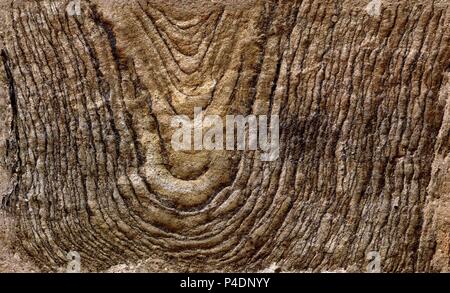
[(364, 133)]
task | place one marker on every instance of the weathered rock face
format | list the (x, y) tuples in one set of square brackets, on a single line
[(363, 99)]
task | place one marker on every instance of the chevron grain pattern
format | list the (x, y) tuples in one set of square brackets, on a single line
[(363, 100)]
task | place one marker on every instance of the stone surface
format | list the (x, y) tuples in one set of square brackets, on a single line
[(363, 99)]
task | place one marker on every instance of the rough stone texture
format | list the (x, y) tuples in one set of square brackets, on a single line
[(12, 256), (85, 106)]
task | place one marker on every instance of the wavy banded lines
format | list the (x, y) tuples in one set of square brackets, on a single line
[(360, 118)]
